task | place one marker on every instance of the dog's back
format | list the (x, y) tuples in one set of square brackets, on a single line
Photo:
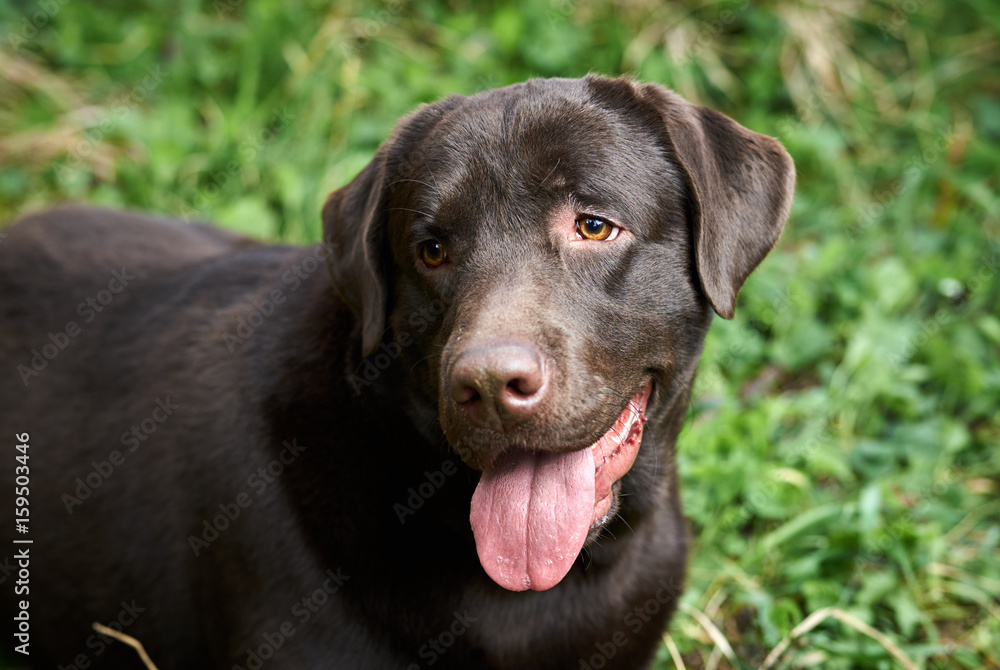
[(106, 319)]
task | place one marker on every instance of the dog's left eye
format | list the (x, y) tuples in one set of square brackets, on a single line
[(596, 228), (432, 253)]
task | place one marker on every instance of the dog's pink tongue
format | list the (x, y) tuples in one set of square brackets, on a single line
[(531, 514)]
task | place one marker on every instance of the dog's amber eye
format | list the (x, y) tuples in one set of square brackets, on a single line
[(593, 228), (432, 253)]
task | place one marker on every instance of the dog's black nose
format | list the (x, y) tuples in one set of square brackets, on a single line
[(499, 384)]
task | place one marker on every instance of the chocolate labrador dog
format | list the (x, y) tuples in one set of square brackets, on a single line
[(442, 437)]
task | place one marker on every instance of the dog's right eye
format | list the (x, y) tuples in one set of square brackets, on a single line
[(432, 253), (595, 228)]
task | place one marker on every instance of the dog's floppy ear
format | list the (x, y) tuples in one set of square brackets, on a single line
[(741, 186), (354, 224), (353, 230)]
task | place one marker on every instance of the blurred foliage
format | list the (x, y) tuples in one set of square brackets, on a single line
[(842, 449)]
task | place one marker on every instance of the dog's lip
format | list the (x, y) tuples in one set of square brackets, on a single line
[(472, 454), (615, 452)]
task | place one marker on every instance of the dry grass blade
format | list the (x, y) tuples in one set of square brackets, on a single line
[(64, 139), (675, 653), (129, 640), (713, 659), (717, 637), (817, 617)]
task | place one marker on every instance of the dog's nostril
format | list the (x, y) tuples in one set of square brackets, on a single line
[(508, 379), (522, 387), (466, 395)]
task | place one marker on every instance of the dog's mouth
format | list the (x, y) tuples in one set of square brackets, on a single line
[(532, 510)]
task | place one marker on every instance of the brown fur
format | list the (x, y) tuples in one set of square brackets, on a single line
[(355, 363)]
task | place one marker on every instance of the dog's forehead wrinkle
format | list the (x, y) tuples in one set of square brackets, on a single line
[(507, 152)]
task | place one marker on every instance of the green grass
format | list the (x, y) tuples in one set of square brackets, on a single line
[(842, 449)]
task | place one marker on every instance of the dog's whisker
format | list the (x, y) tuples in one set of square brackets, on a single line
[(425, 358), (626, 522), (409, 209), (417, 181), (550, 172), (436, 189)]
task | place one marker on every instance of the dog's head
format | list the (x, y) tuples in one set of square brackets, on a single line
[(545, 259)]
